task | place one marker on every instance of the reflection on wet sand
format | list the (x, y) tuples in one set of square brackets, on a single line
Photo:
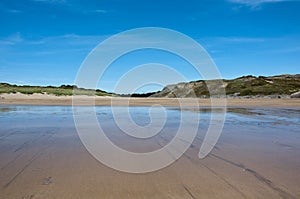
[(257, 156)]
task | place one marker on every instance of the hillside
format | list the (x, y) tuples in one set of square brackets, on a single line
[(274, 86)]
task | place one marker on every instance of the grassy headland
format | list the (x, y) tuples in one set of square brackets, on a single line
[(65, 90)]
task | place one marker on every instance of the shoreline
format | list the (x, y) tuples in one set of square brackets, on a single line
[(52, 100)]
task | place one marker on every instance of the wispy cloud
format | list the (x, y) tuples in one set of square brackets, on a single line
[(51, 1), (12, 39), (70, 39), (90, 11), (219, 44), (101, 11), (14, 11), (256, 3), (73, 6), (240, 39), (232, 40), (68, 43), (8, 9), (65, 5), (285, 50)]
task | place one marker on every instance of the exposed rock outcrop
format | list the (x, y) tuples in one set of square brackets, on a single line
[(295, 95)]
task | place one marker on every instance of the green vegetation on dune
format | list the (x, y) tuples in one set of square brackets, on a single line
[(58, 91), (242, 86), (250, 85)]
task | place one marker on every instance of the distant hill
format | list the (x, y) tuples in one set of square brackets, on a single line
[(61, 90), (275, 86)]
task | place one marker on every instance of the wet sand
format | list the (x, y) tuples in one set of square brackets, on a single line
[(257, 156)]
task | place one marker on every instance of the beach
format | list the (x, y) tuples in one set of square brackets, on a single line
[(150, 99), (257, 156), (44, 99)]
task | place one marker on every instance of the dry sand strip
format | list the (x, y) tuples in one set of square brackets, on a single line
[(43, 99)]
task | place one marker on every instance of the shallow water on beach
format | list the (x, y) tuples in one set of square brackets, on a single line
[(141, 114), (28, 116), (257, 154)]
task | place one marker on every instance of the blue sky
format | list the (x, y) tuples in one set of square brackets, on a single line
[(43, 42)]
